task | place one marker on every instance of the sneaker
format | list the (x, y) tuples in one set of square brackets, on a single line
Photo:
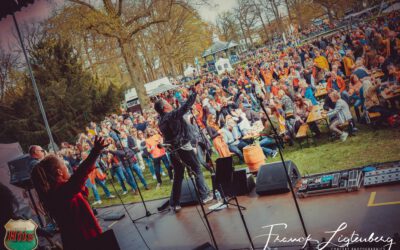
[(111, 196), (343, 136), (154, 177), (208, 199), (135, 192), (176, 208), (124, 193), (164, 207), (275, 153), (96, 203), (172, 180), (163, 174), (158, 186), (146, 188)]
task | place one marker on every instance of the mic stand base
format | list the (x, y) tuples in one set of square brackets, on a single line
[(239, 207)]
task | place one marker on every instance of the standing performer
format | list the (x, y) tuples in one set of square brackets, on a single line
[(176, 132)]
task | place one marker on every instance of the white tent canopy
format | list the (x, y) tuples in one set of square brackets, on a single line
[(223, 65), (189, 71), (361, 12), (151, 88), (391, 8)]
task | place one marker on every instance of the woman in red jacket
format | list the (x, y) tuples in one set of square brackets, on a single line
[(62, 196)]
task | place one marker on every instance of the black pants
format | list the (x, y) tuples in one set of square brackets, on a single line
[(189, 158), (385, 113), (157, 167)]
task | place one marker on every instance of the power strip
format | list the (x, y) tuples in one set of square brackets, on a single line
[(382, 176)]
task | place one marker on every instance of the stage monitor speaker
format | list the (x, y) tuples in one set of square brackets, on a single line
[(271, 178), (243, 183), (205, 246), (188, 193), (20, 173), (105, 241)]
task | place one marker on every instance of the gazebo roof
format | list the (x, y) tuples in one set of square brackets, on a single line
[(8, 7), (218, 46)]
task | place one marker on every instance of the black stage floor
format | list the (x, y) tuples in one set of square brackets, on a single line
[(369, 210)]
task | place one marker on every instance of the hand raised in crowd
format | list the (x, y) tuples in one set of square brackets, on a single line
[(99, 144)]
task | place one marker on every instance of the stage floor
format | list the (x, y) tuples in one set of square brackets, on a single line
[(369, 210)]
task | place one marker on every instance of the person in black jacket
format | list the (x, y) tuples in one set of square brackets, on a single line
[(176, 132), (129, 161)]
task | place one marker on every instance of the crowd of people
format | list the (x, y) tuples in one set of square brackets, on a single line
[(227, 115)]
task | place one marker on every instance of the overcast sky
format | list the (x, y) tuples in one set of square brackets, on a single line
[(41, 10), (209, 13)]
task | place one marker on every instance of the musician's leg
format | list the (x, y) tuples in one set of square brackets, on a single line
[(189, 158), (178, 177)]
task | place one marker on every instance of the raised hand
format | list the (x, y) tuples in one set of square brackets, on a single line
[(99, 144)]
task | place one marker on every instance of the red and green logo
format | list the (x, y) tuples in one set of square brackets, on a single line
[(21, 235)]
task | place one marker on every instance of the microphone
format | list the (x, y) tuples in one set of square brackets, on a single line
[(164, 145), (116, 131)]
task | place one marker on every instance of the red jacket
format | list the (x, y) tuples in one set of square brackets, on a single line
[(71, 210), (340, 82)]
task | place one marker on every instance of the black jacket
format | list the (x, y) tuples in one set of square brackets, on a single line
[(174, 128), (126, 156)]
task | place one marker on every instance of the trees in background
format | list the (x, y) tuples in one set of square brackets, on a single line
[(111, 45), (227, 26), (71, 96), (8, 64)]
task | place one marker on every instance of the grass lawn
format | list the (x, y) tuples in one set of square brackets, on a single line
[(367, 147)]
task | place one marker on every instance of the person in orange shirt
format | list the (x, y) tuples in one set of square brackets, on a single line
[(158, 154), (267, 77), (337, 83)]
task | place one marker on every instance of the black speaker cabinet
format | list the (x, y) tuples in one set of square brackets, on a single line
[(20, 173), (271, 178), (243, 183), (188, 193), (105, 241), (205, 246)]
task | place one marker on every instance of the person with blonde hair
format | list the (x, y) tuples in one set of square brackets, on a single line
[(61, 194), (340, 114)]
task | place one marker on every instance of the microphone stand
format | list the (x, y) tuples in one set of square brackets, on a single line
[(276, 136), (148, 214), (204, 139), (192, 175)]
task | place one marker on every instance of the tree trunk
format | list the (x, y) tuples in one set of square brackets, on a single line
[(299, 16), (277, 16), (329, 13), (89, 57), (262, 22), (244, 34), (288, 11), (136, 82), (2, 88), (248, 29)]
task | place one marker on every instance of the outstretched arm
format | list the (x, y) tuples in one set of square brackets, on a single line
[(78, 179), (185, 107)]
